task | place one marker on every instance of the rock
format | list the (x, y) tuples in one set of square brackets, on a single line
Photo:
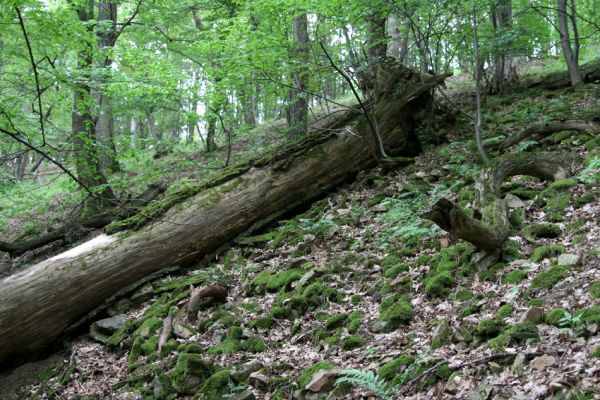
[(242, 372), (444, 243), (518, 364), (452, 385), (441, 335), (533, 314), (183, 331), (513, 201), (298, 262), (568, 259), (495, 367), (258, 380), (481, 392), (143, 294), (542, 362), (323, 380), (379, 327), (307, 277), (103, 329), (120, 307)]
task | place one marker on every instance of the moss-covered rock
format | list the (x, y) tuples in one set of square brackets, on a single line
[(317, 293), (490, 327), (591, 315), (352, 342), (594, 289), (215, 387), (336, 321), (308, 373), (557, 202), (395, 313), (539, 231), (548, 278), (524, 331), (394, 271), (263, 323), (395, 367), (439, 284), (554, 316), (514, 277), (283, 280), (584, 199), (189, 373), (546, 251), (505, 311), (258, 285), (511, 251), (562, 184), (441, 334)]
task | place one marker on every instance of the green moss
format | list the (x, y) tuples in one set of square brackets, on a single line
[(439, 284), (283, 280), (535, 303), (576, 225), (596, 353), (395, 367), (555, 217), (505, 311), (558, 202), (490, 327), (190, 372), (190, 348), (442, 335), (562, 184), (500, 342), (548, 278), (463, 295), (259, 283), (591, 315), (524, 194), (546, 251), (514, 277), (389, 261), (179, 283), (538, 231), (378, 198), (215, 387), (317, 293), (423, 259), (308, 373), (278, 312), (264, 323), (336, 321), (511, 251), (254, 345), (396, 313), (150, 346), (352, 342), (524, 331), (594, 289), (583, 200), (231, 344), (355, 299), (554, 316), (395, 270), (516, 218)]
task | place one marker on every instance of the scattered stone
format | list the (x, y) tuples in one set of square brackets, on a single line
[(513, 201), (379, 327), (258, 380), (323, 380), (103, 329), (495, 367), (242, 372), (245, 395), (518, 364), (533, 314), (542, 362), (444, 243), (306, 278), (568, 259), (452, 385), (120, 307), (481, 392), (183, 331), (441, 335)]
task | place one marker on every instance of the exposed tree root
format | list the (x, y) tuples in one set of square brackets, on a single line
[(204, 297), (548, 128), (488, 227), (165, 333)]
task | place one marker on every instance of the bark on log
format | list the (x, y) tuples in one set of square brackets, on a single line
[(210, 294), (488, 228), (548, 128), (38, 304), (590, 72)]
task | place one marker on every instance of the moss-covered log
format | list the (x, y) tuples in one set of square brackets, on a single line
[(487, 228), (590, 72), (545, 129), (38, 304)]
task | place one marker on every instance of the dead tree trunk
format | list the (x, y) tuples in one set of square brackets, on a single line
[(38, 304), (488, 227), (590, 73)]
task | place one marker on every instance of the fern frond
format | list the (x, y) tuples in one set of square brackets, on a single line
[(366, 379)]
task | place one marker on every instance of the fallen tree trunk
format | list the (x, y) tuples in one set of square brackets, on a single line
[(38, 304), (545, 129), (488, 227), (590, 72)]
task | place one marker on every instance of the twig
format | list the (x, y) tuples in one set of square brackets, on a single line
[(374, 129), (35, 74)]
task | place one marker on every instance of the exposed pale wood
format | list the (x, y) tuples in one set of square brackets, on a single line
[(205, 295)]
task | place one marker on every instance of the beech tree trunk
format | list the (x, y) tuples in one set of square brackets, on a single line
[(570, 52), (38, 304), (297, 112)]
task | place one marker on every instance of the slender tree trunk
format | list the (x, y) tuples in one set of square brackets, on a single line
[(501, 16), (106, 34), (211, 132), (247, 102), (22, 163), (376, 45), (571, 57), (297, 112), (132, 131)]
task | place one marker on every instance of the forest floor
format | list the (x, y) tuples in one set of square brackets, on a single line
[(360, 282)]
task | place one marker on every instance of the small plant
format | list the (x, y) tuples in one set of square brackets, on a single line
[(590, 173), (525, 145), (368, 380), (571, 323)]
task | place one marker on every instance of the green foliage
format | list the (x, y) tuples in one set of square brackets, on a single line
[(352, 342), (548, 278), (368, 380), (594, 289), (554, 316), (514, 277), (546, 251), (395, 312)]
